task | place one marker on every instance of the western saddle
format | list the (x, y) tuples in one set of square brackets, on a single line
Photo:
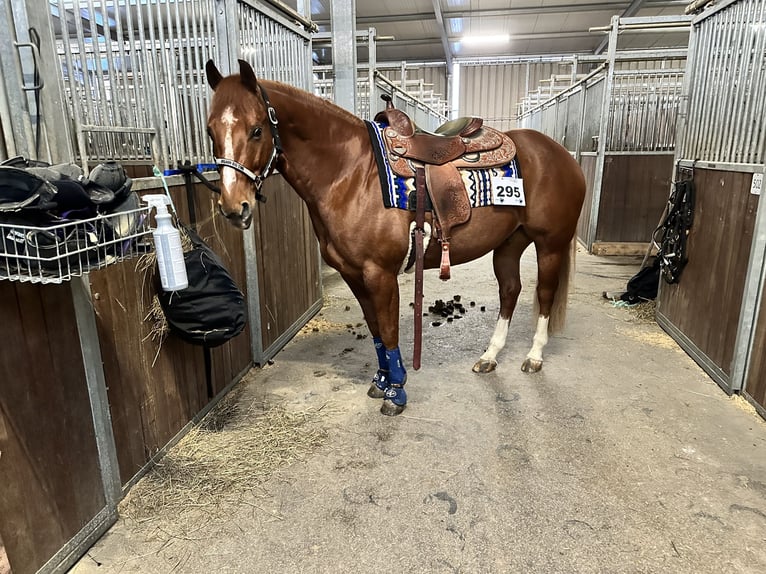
[(462, 143)]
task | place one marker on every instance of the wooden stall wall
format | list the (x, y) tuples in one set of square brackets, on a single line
[(155, 390), (50, 481), (5, 566), (288, 262), (634, 192), (704, 307), (231, 359), (755, 379)]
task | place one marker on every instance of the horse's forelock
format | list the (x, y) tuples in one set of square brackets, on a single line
[(231, 93)]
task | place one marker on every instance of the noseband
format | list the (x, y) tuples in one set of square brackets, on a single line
[(276, 150)]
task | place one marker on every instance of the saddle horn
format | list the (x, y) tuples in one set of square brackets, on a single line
[(389, 101)]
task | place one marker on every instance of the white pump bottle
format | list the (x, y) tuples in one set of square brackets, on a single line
[(167, 244)]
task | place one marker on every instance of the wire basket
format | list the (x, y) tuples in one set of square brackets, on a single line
[(56, 253)]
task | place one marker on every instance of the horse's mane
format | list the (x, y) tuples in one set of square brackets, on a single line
[(318, 105)]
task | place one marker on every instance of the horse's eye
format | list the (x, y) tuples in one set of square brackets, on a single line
[(256, 133), (209, 133)]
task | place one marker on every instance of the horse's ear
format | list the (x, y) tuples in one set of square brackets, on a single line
[(214, 77), (247, 75)]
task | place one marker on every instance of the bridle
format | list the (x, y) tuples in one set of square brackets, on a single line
[(258, 178)]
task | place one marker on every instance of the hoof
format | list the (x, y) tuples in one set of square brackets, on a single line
[(390, 409), (531, 365), (374, 392), (484, 366)]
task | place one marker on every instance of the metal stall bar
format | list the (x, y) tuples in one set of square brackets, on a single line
[(726, 79), (278, 49), (131, 66), (197, 59), (372, 62), (753, 59), (90, 67), (101, 96), (729, 62), (127, 89), (702, 70), (751, 299), (142, 48), (56, 144), (737, 89), (757, 286), (74, 88), (236, 37), (432, 118), (640, 107), (724, 112), (165, 71), (22, 139), (602, 144), (754, 105)]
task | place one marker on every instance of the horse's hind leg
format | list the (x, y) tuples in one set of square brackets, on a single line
[(552, 286), (505, 261)]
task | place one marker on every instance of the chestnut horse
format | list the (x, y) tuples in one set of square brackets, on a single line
[(326, 155)]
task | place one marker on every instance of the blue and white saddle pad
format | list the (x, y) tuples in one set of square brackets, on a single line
[(484, 186)]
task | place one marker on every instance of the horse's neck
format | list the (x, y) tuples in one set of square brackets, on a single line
[(322, 145)]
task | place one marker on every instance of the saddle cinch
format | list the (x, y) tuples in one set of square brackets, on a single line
[(463, 143)]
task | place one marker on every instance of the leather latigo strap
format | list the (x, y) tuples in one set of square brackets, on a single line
[(420, 217)]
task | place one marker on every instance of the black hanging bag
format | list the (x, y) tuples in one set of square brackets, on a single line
[(643, 286), (212, 309)]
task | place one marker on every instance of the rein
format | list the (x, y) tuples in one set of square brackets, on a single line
[(276, 151)]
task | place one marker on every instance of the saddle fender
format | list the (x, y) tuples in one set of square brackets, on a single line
[(450, 203)]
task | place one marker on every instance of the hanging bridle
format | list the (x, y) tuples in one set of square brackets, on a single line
[(259, 178)]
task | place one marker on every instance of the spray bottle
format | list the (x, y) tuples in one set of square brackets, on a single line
[(167, 244)]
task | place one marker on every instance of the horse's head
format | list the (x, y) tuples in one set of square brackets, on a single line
[(242, 125)]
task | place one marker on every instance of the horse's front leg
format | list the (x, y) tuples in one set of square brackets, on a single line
[(381, 379), (378, 295)]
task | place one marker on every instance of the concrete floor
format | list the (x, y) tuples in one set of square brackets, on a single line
[(621, 456)]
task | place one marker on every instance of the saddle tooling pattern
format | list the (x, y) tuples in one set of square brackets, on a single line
[(397, 189)]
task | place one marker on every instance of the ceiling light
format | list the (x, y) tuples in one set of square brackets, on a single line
[(497, 39)]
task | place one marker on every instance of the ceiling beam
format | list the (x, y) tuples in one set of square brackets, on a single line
[(611, 7), (323, 38), (443, 34), (531, 36), (631, 10)]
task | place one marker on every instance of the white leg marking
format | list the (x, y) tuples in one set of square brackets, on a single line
[(498, 340), (228, 174), (540, 339)]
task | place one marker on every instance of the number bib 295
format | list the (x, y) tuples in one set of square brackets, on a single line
[(508, 191)]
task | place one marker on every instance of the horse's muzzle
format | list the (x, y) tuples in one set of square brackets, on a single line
[(243, 219)]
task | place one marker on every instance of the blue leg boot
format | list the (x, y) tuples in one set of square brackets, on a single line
[(380, 381), (395, 399)]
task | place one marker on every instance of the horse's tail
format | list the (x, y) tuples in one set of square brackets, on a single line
[(560, 298)]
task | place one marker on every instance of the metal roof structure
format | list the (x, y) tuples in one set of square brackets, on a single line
[(446, 30)]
